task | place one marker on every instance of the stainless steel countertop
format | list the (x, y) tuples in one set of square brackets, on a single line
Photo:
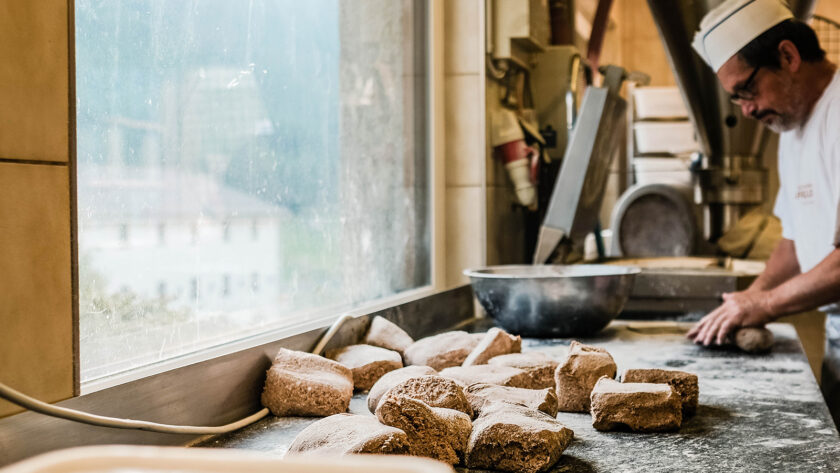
[(757, 413)]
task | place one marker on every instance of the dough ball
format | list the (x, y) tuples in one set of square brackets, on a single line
[(754, 339)]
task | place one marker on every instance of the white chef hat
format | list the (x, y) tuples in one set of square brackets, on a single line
[(733, 24)]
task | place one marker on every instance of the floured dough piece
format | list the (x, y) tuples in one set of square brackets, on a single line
[(368, 363), (303, 384), (754, 339), (684, 384), (495, 342), (577, 374), (441, 351), (343, 434), (391, 379), (459, 426), (386, 334), (432, 432), (501, 375), (436, 391), (642, 407), (540, 366), (513, 438), (481, 395)]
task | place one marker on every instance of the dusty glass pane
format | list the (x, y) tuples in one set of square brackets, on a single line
[(243, 166)]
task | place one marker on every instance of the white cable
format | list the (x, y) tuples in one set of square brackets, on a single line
[(41, 407), (495, 72), (319, 347), (35, 405)]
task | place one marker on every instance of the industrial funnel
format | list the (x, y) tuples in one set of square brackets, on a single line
[(732, 178)]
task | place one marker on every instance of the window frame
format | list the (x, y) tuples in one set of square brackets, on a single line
[(325, 316)]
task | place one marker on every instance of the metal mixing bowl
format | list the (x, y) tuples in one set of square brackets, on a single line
[(553, 300)]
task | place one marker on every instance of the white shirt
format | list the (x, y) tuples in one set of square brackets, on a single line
[(808, 203)]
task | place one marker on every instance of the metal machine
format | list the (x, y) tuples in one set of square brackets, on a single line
[(641, 214), (579, 189)]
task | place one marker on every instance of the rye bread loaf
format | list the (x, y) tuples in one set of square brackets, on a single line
[(343, 434), (459, 427), (501, 375), (514, 438), (641, 407), (495, 342), (367, 362), (386, 334), (684, 384), (538, 365), (432, 432), (482, 394), (303, 384), (577, 374), (436, 391), (391, 379), (442, 350)]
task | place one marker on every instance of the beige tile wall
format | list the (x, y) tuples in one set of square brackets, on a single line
[(37, 338), (482, 224), (464, 122), (464, 155)]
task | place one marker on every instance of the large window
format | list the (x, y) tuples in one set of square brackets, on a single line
[(244, 166)]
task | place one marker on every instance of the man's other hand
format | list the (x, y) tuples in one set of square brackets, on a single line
[(739, 309)]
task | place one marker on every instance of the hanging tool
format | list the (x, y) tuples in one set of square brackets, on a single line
[(579, 190)]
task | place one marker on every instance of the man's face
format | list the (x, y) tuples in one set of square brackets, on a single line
[(762, 93)]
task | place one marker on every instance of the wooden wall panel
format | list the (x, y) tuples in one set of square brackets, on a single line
[(34, 78), (36, 339), (36, 310)]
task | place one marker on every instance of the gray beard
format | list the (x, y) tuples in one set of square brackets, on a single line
[(778, 127)]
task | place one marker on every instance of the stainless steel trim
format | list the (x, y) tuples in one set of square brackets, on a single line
[(509, 272)]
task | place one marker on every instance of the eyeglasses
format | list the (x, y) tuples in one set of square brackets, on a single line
[(745, 92)]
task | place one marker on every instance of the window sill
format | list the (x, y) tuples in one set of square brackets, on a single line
[(215, 391)]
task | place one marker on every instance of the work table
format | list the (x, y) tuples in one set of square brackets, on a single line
[(756, 413)]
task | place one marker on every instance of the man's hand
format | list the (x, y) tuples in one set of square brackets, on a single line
[(739, 309)]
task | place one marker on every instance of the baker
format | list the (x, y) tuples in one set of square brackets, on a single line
[(772, 66)]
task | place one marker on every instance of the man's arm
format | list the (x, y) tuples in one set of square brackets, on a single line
[(781, 266), (780, 290), (810, 290)]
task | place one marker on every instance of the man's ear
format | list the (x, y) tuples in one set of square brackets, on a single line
[(789, 57)]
